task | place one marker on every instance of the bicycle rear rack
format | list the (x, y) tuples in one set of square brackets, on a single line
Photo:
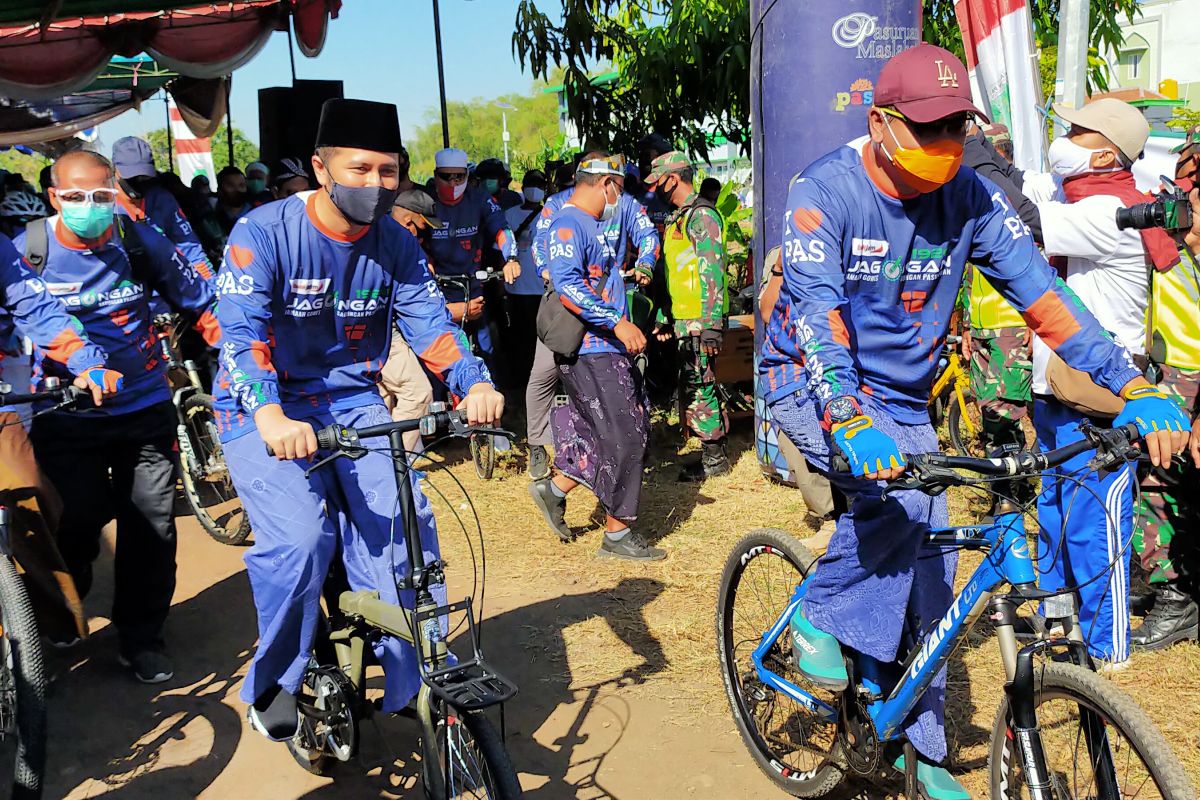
[(468, 685)]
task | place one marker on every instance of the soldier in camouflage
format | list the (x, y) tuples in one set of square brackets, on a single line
[(998, 347), (694, 256)]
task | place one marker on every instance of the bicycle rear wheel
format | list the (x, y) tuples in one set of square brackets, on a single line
[(473, 763), (22, 690), (1098, 743), (790, 744), (483, 453), (206, 481)]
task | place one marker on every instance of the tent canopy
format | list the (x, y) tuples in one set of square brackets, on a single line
[(52, 48)]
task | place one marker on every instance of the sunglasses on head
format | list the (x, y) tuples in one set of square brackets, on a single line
[(450, 177), (953, 125), (103, 195)]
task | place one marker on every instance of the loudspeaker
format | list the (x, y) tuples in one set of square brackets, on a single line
[(288, 118)]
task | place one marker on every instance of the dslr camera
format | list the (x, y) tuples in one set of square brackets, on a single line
[(1169, 210)]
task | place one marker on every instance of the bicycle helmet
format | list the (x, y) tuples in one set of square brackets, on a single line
[(22, 206)]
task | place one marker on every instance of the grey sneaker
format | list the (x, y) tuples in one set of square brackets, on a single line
[(632, 548), (149, 666), (553, 508), (539, 463)]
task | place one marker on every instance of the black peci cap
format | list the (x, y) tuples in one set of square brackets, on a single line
[(363, 124)]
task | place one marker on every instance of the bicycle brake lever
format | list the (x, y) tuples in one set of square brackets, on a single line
[(354, 454)]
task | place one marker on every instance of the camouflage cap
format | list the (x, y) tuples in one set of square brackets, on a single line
[(1193, 139), (666, 164)]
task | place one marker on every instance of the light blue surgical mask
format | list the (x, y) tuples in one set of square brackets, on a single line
[(88, 220)]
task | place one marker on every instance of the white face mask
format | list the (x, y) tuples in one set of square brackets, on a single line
[(610, 209), (459, 190), (1068, 159), (534, 195)]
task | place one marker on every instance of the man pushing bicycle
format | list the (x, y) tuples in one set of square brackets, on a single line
[(875, 241), (310, 289)]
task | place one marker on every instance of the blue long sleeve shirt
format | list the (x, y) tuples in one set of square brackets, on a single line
[(629, 224), (587, 276), (161, 210), (30, 310), (870, 282), (102, 291), (306, 315), (473, 223)]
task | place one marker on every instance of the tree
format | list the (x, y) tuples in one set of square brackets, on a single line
[(476, 126), (244, 150), (684, 65), (28, 166)]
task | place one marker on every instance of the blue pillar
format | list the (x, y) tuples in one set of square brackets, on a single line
[(813, 72)]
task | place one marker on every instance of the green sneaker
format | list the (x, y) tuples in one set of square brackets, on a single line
[(935, 782), (818, 655)]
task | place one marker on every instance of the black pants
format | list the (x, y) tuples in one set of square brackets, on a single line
[(522, 336), (121, 468)]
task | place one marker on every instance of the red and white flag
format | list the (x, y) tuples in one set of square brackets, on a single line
[(1003, 67), (193, 155)]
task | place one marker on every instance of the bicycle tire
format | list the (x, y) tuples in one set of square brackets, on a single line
[(23, 660), (503, 783), (828, 775), (963, 443), (484, 455), (1086, 688), (198, 411)]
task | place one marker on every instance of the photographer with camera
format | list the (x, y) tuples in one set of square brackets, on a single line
[(1105, 265), (1168, 559)]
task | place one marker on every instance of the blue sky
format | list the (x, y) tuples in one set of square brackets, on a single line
[(382, 50)]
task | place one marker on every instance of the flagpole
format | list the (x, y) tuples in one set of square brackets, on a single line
[(170, 141)]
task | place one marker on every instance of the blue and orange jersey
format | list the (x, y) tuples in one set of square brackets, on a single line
[(307, 315), (161, 210), (101, 290), (473, 223), (29, 310), (587, 276), (629, 224), (870, 282)]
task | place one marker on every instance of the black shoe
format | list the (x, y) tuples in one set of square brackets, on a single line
[(553, 508), (713, 463), (149, 666), (275, 715), (1174, 618), (631, 547), (539, 462)]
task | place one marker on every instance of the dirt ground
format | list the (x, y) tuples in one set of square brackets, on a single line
[(620, 693)]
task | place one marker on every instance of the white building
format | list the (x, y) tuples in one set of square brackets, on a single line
[(1161, 45)]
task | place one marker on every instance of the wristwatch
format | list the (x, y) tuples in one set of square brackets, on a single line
[(841, 409)]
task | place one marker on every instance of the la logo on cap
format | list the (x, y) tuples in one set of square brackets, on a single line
[(946, 75)]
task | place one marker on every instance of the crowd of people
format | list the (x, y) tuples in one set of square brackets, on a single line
[(332, 287)]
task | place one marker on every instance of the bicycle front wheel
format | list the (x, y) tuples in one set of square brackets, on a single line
[(791, 745), (22, 690), (483, 453), (1097, 741), (472, 760), (968, 438), (206, 480)]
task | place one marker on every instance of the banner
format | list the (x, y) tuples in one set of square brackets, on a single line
[(193, 156), (1002, 64)]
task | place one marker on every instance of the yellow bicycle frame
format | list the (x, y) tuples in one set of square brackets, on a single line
[(962, 382)]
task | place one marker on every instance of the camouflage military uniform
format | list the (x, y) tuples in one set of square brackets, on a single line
[(1001, 372), (1160, 511), (699, 404)]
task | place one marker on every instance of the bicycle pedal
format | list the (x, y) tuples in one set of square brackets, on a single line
[(471, 685)]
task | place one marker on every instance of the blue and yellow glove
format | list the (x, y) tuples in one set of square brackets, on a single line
[(867, 449), (1150, 409)]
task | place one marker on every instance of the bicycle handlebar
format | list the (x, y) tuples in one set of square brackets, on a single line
[(935, 472), (339, 438), (64, 395)]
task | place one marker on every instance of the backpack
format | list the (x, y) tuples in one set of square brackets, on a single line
[(37, 247)]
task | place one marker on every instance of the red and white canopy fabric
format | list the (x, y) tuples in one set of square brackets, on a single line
[(43, 61)]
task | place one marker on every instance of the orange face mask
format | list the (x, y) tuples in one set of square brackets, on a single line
[(926, 168)]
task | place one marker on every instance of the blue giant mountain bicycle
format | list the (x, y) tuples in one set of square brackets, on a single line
[(1062, 732)]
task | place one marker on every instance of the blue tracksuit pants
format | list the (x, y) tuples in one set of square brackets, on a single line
[(877, 587), (298, 523), (1086, 524)]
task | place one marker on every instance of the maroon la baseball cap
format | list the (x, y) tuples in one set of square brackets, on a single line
[(925, 83)]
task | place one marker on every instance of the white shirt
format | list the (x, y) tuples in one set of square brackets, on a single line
[(1106, 269), (530, 282)]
